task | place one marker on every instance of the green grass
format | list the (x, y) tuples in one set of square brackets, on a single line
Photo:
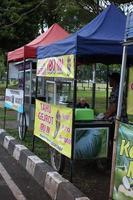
[(41, 148), (10, 115), (12, 85), (100, 103), (2, 89)]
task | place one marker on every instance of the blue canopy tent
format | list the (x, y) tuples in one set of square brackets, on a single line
[(99, 41)]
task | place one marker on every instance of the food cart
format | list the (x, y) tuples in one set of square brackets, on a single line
[(76, 124), (92, 43), (21, 98), (122, 165), (22, 67)]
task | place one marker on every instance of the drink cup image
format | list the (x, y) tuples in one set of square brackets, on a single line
[(58, 123)]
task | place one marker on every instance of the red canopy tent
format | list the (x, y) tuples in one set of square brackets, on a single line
[(53, 34)]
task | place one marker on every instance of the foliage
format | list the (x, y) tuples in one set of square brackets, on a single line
[(17, 24), (85, 72), (2, 65), (21, 20)]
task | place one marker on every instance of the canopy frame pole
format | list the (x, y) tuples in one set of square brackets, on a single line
[(107, 88), (34, 137), (117, 122), (7, 81), (73, 120), (24, 114), (94, 86)]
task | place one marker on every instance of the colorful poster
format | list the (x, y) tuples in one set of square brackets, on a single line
[(62, 66), (90, 143), (53, 124), (130, 92), (123, 185), (14, 99)]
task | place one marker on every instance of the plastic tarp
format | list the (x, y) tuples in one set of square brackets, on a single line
[(53, 34), (99, 41)]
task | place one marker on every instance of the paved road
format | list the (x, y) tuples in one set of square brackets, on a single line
[(15, 182)]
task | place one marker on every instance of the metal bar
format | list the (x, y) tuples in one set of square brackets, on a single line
[(128, 43), (122, 78), (7, 77), (23, 96), (117, 123), (107, 88), (94, 86), (55, 94), (33, 138), (30, 92), (36, 87), (71, 170), (73, 120)]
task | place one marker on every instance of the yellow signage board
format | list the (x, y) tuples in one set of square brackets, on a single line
[(62, 66), (130, 93), (53, 124)]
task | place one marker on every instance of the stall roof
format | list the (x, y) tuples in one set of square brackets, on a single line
[(99, 41), (53, 34)]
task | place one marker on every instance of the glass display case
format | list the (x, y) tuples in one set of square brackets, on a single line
[(51, 92), (59, 92), (27, 81)]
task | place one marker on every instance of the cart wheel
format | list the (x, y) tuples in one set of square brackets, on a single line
[(57, 160), (22, 127)]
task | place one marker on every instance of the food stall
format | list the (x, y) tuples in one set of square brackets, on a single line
[(95, 42), (121, 184), (22, 67)]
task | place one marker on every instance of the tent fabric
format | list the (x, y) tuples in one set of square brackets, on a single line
[(54, 33), (101, 39)]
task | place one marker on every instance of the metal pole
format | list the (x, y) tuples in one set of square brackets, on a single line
[(94, 86), (73, 120), (7, 77), (122, 78), (24, 114), (107, 88), (117, 123), (33, 138), (36, 87)]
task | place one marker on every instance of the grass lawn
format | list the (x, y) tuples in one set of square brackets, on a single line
[(41, 148), (100, 103), (10, 115)]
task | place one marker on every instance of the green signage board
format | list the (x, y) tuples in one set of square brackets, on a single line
[(123, 185)]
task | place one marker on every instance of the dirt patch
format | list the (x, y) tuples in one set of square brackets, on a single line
[(89, 179)]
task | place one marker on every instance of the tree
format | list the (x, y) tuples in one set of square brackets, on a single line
[(21, 20), (95, 6), (2, 64), (17, 25)]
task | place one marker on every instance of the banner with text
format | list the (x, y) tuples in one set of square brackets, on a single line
[(62, 66), (130, 92), (53, 124), (14, 99), (123, 185)]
